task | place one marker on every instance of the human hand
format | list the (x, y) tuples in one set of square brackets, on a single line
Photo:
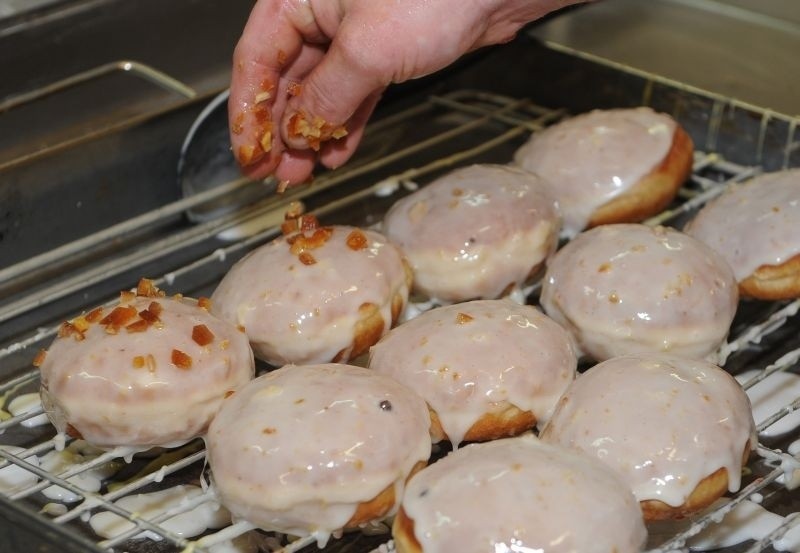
[(307, 74)]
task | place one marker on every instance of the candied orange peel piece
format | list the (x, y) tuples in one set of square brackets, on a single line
[(181, 359), (202, 335)]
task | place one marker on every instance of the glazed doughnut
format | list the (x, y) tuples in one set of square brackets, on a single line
[(314, 296), (518, 494), (627, 288), (610, 166), (477, 232), (309, 450), (677, 430), (754, 226), (152, 371), (487, 368)]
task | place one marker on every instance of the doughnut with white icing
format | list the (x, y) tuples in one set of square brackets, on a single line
[(475, 233), (629, 288), (309, 450), (610, 166), (152, 371), (755, 227), (518, 494), (487, 368), (315, 296), (676, 429)]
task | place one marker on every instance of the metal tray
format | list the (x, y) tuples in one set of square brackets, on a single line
[(421, 139)]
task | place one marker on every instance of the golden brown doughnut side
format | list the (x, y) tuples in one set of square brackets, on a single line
[(505, 421), (380, 506), (710, 488), (773, 282), (370, 325), (403, 533), (655, 191)]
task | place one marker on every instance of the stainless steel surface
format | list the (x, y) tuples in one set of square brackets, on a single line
[(428, 138), (419, 136), (743, 49)]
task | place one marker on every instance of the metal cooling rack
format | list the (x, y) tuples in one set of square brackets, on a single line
[(408, 149)]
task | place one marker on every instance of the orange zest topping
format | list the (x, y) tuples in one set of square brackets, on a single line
[(202, 335), (94, 315), (240, 328), (120, 316), (138, 362), (248, 154), (155, 308), (463, 318), (68, 329), (294, 89), (237, 125), (301, 242), (356, 240), (148, 316), (229, 393), (139, 326), (147, 289), (266, 140), (126, 296), (306, 258), (181, 360), (81, 324), (268, 430), (295, 210), (282, 57), (315, 131), (262, 116), (204, 303), (40, 357)]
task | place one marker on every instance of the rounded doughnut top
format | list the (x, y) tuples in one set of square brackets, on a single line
[(474, 232), (150, 372), (301, 297), (624, 289), (299, 448), (591, 158), (662, 422), (754, 223), (519, 494), (465, 359)]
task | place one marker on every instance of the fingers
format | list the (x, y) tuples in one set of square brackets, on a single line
[(272, 39), (296, 166), (337, 152), (331, 95)]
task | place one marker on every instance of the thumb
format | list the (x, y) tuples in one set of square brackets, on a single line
[(330, 95)]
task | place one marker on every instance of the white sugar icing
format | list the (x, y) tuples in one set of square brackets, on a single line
[(475, 231), (754, 223), (298, 313), (190, 519), (297, 449), (14, 477), (589, 159), (532, 497), (663, 422), (96, 386), (624, 289), (76, 453), (770, 396), (464, 359)]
